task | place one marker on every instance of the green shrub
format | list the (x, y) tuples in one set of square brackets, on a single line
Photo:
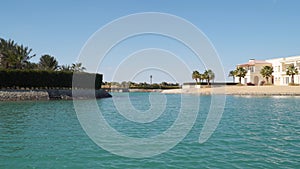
[(48, 79)]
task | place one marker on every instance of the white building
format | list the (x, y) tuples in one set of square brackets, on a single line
[(279, 65)]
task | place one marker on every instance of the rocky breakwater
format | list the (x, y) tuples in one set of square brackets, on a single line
[(77, 94), (51, 94), (18, 95)]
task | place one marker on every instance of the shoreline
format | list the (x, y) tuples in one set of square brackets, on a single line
[(66, 94), (241, 91), (51, 94)]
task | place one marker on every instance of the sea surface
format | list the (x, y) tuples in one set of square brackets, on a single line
[(254, 132)]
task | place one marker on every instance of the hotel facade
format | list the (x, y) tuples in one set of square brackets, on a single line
[(279, 76)]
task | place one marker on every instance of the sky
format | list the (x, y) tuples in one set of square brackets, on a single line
[(239, 30)]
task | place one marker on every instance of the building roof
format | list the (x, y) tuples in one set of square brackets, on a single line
[(253, 62), (286, 59)]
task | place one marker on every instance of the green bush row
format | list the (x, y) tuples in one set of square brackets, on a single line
[(48, 79)]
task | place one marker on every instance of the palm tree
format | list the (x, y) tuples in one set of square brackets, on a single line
[(32, 66), (232, 74), (65, 68), (48, 62), (202, 77), (291, 70), (1, 59), (266, 72), (196, 76), (240, 72), (23, 56), (13, 55), (77, 67), (7, 48), (209, 75)]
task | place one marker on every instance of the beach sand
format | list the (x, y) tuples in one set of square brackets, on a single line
[(241, 90)]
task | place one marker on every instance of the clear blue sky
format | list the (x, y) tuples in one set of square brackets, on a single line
[(239, 29)]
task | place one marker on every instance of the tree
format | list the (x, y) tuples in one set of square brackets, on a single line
[(22, 56), (196, 75), (209, 75), (14, 56), (240, 72), (202, 77), (48, 62), (31, 66), (291, 70), (164, 84), (6, 50), (65, 68), (125, 84), (77, 67), (266, 72), (232, 74)]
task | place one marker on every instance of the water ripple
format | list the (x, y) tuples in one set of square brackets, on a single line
[(261, 132)]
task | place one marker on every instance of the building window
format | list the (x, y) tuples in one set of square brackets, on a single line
[(251, 68)]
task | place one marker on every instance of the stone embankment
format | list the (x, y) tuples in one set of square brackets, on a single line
[(52, 94), (18, 95)]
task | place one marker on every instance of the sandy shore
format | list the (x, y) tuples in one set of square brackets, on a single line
[(242, 90)]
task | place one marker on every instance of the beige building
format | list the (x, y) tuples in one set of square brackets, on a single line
[(253, 68), (279, 65)]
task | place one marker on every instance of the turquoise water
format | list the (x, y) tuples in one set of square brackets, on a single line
[(255, 132)]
